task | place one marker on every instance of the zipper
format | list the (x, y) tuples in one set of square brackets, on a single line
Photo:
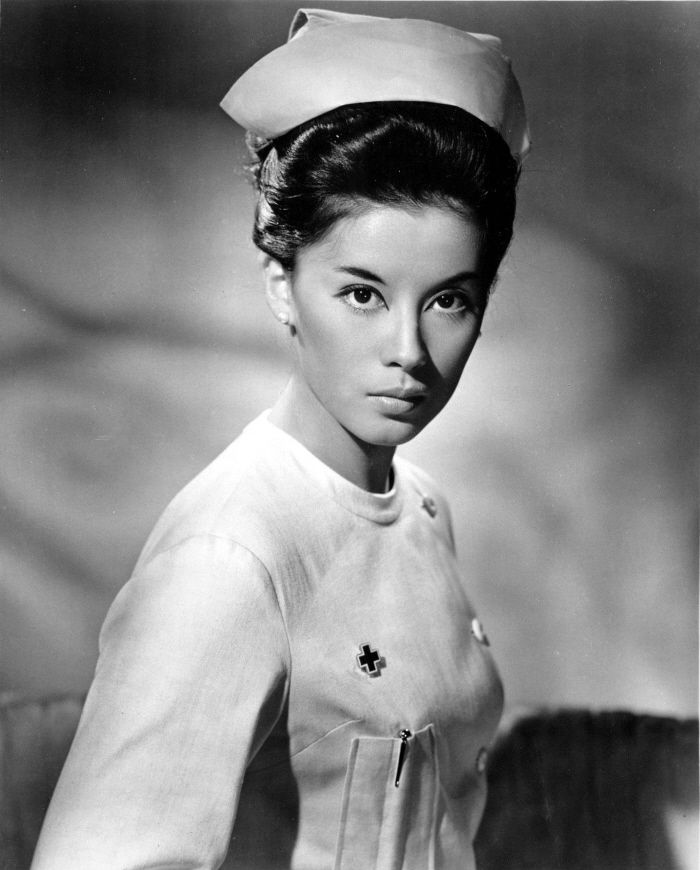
[(404, 734)]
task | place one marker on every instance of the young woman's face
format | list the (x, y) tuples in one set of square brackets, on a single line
[(386, 310)]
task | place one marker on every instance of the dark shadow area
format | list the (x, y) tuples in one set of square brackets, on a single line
[(574, 790)]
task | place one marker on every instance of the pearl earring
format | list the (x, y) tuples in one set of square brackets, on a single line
[(283, 317)]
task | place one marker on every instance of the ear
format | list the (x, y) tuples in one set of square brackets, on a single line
[(278, 288)]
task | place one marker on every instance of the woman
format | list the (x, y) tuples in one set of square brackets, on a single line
[(294, 675)]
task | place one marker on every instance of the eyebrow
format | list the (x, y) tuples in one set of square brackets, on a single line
[(466, 275), (366, 275), (360, 273)]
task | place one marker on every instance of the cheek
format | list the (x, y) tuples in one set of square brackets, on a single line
[(315, 331), (328, 343), (449, 352)]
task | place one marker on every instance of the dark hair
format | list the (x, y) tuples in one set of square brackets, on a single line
[(399, 153)]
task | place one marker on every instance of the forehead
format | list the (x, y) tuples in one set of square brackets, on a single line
[(428, 242)]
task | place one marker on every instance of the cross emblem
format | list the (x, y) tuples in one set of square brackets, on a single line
[(370, 661)]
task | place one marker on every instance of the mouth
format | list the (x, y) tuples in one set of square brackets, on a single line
[(398, 402)]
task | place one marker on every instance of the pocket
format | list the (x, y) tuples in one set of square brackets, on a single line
[(382, 825)]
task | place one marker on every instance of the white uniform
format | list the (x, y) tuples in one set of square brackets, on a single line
[(289, 647)]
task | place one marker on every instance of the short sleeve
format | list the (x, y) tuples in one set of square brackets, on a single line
[(191, 677)]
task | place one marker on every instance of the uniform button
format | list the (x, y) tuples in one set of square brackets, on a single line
[(429, 505), (479, 633), (482, 760)]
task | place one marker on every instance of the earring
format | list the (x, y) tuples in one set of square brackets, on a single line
[(283, 317)]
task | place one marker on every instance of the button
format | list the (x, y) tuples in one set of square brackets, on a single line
[(479, 633), (482, 760), (429, 505)]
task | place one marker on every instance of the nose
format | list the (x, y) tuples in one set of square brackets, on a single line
[(403, 345)]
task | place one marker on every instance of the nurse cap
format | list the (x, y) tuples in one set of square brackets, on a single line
[(332, 59)]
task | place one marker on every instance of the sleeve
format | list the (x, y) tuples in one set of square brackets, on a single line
[(191, 677)]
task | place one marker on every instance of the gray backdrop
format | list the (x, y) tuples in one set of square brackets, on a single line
[(136, 344)]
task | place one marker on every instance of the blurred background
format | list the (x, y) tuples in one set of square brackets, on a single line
[(136, 344)]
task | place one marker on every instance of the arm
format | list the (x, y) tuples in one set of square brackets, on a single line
[(190, 680)]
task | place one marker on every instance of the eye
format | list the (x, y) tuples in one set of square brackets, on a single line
[(362, 298), (453, 303)]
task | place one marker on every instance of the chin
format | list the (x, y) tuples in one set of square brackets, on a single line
[(392, 433)]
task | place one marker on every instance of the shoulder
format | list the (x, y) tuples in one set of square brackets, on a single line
[(199, 594), (240, 496), (414, 477), (199, 573), (429, 495)]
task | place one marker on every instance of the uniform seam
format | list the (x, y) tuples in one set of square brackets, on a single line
[(323, 736)]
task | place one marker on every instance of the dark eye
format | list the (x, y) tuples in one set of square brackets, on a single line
[(362, 295), (362, 298), (456, 302), (451, 303), (447, 301)]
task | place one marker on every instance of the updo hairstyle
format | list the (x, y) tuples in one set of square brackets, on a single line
[(399, 154)]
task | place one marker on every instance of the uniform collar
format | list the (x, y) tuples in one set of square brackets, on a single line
[(383, 508)]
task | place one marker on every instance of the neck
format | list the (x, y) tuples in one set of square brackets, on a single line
[(299, 413)]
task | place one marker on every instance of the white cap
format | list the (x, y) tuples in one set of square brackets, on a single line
[(334, 59)]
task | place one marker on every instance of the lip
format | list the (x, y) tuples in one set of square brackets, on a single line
[(398, 402), (408, 394)]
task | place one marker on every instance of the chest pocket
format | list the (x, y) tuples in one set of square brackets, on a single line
[(385, 826)]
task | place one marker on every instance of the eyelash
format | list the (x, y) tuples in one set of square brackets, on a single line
[(468, 307), (357, 309)]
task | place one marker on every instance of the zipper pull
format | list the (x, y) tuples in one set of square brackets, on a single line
[(404, 734)]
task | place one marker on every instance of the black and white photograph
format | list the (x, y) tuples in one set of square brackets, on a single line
[(349, 435)]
